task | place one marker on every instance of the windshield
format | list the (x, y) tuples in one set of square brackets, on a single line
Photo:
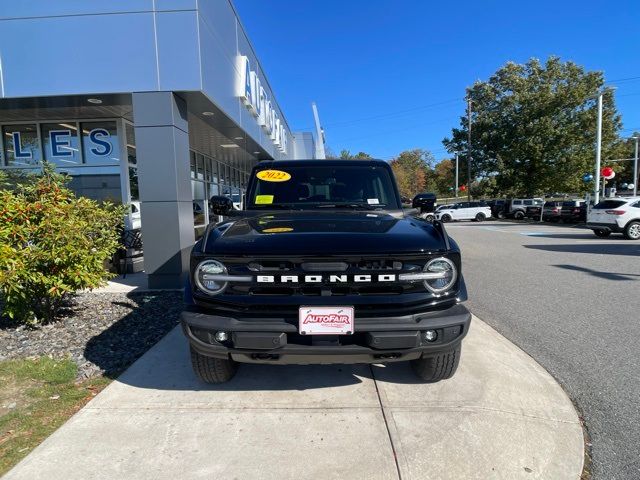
[(607, 204), (300, 187)]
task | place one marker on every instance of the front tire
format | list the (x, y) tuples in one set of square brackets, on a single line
[(437, 367), (480, 217), (445, 218), (632, 231), (212, 370), (519, 215), (602, 233)]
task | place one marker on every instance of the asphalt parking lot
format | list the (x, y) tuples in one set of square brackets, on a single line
[(571, 301)]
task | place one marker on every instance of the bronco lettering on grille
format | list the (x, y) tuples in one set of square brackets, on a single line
[(330, 278)]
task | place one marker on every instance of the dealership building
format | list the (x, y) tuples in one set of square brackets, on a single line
[(160, 104)]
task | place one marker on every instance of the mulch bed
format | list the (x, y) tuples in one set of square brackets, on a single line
[(103, 333)]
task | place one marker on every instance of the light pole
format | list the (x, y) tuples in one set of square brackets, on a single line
[(598, 148), (599, 144), (457, 167), (468, 149), (635, 168)]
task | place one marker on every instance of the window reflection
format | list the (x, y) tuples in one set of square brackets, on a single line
[(100, 143), (22, 146), (61, 143)]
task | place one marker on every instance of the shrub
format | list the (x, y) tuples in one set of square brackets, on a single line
[(52, 244)]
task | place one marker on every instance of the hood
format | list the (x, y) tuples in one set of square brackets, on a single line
[(320, 233)]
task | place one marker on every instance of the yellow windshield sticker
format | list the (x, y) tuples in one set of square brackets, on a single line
[(273, 176), (278, 230), (264, 199)]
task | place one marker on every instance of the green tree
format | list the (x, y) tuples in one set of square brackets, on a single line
[(52, 244), (346, 155), (533, 127), (445, 176), (413, 170)]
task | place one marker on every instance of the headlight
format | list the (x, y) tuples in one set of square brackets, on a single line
[(210, 277), (446, 272)]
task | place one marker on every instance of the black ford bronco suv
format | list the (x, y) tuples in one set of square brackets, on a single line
[(322, 265)]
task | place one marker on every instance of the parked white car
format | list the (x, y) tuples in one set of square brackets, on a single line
[(616, 215), (444, 207), (475, 211)]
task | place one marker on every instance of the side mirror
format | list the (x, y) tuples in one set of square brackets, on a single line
[(221, 205)]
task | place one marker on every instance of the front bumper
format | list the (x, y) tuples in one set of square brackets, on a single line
[(374, 340), (609, 227)]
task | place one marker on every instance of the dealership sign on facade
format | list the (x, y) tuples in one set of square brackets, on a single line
[(251, 91), (65, 143)]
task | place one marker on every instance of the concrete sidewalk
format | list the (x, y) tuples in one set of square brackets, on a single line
[(501, 416)]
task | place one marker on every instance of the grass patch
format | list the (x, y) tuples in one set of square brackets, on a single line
[(36, 397)]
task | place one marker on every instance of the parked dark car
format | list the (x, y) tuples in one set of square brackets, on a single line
[(497, 207), (573, 211), (425, 202), (551, 212), (533, 212)]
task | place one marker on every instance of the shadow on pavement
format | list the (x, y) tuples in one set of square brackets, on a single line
[(166, 364), (599, 274), (167, 367), (574, 236), (621, 248), (532, 223)]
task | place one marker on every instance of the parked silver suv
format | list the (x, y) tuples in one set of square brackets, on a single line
[(518, 206)]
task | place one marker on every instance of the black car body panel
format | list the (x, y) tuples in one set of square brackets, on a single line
[(307, 232), (280, 259), (533, 212), (573, 211), (425, 202)]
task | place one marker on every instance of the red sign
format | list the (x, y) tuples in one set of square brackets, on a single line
[(607, 172)]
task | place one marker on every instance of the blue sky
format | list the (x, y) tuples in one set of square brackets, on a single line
[(391, 75)]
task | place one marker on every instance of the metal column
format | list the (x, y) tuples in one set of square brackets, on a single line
[(162, 144)]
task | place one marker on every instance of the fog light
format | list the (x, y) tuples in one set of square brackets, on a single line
[(221, 336), (430, 335)]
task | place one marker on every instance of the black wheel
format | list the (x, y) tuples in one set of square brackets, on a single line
[(519, 215), (480, 217), (632, 231), (446, 218), (602, 233), (428, 217), (501, 215), (437, 367), (212, 370)]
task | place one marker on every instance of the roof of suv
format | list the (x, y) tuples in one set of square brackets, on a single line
[(322, 163)]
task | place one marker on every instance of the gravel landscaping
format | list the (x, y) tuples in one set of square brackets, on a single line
[(103, 333)]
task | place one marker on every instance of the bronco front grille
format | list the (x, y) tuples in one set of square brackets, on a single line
[(248, 299), (355, 276)]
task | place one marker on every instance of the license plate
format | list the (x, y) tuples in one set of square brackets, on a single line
[(325, 320)]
